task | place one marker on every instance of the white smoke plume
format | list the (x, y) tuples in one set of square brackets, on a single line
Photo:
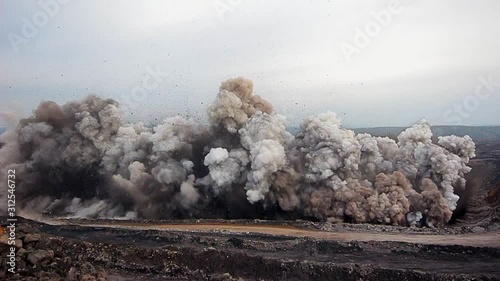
[(81, 160)]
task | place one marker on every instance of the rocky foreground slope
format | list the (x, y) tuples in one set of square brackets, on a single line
[(69, 252)]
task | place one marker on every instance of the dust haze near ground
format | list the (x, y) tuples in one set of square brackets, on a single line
[(80, 159)]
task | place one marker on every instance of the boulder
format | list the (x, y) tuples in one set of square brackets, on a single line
[(35, 237), (40, 257)]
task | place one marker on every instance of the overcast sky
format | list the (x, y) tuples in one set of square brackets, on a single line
[(426, 61)]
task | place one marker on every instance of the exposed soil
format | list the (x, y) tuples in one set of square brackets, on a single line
[(251, 252), (485, 239)]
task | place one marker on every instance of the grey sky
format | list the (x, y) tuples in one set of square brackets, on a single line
[(427, 61)]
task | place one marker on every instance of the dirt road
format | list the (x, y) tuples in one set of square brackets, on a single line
[(488, 239)]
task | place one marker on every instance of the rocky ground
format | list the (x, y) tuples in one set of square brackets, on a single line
[(40, 257), (65, 252)]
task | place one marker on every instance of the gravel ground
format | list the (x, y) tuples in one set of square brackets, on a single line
[(68, 252)]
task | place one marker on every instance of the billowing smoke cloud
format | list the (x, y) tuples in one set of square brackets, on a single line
[(81, 160)]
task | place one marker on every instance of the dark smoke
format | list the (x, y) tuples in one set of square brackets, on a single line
[(81, 160)]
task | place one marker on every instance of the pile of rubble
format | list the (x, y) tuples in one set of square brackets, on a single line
[(37, 260), (43, 256)]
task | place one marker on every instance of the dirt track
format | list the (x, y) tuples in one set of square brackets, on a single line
[(489, 239)]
